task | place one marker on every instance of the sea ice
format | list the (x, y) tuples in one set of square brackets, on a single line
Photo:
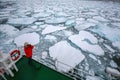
[(32, 38), (65, 53), (50, 29), (87, 42)]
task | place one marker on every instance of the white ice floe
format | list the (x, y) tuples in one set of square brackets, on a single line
[(56, 20), (113, 64), (91, 13), (32, 38), (93, 57), (51, 28), (70, 22), (92, 21), (116, 24), (42, 15), (67, 33), (65, 53), (113, 71), (109, 48), (61, 14), (87, 42), (8, 29), (99, 18), (51, 38), (93, 78), (114, 19), (44, 55), (21, 21), (116, 44), (39, 23), (84, 25), (34, 27)]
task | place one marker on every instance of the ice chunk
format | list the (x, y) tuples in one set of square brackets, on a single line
[(57, 20), (87, 42), (92, 21), (84, 25), (113, 71), (65, 53), (34, 27), (21, 21), (113, 64), (93, 57), (42, 15), (61, 14), (116, 24), (115, 19), (108, 47), (51, 38), (91, 13), (70, 22), (44, 55), (50, 29), (32, 38), (67, 33), (99, 18), (116, 44), (8, 29)]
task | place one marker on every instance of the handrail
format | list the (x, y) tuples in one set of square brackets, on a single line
[(73, 74)]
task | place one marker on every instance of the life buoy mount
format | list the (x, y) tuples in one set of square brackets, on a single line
[(15, 54)]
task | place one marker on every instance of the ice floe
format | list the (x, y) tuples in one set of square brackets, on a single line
[(70, 22), (61, 14), (42, 15), (65, 53), (116, 24), (99, 18), (21, 21), (116, 44), (84, 25), (93, 57), (113, 71), (67, 33), (114, 19), (8, 29), (32, 38), (113, 64), (51, 38), (57, 20), (109, 48), (51, 28), (87, 42)]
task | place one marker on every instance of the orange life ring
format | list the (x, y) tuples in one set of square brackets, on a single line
[(15, 54)]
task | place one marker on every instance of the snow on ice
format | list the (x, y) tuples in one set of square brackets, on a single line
[(51, 28), (65, 53), (32, 38), (87, 42)]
